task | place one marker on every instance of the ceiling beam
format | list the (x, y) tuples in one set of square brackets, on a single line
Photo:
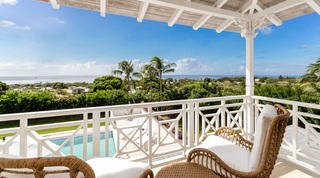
[(228, 22), (201, 21), (54, 4), (220, 3), (274, 19), (197, 8), (175, 16), (315, 5), (204, 18), (143, 10), (278, 8), (103, 4), (253, 6)]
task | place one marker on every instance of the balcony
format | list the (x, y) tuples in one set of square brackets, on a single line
[(159, 133)]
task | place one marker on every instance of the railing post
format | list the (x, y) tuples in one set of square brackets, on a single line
[(250, 117), (23, 136), (96, 134), (149, 131), (196, 123), (295, 130), (184, 125), (191, 132), (107, 133), (223, 113), (85, 136), (256, 115)]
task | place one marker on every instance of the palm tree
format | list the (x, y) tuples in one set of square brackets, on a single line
[(149, 71), (314, 68), (150, 80), (313, 73), (161, 68), (126, 67), (311, 77)]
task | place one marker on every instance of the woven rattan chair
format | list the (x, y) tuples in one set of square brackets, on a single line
[(40, 167), (269, 152)]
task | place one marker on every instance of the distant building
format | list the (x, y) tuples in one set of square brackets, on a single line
[(77, 90)]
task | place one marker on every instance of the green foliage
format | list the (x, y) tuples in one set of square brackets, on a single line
[(3, 87), (15, 102), (103, 98), (108, 82), (59, 85), (271, 80), (207, 80)]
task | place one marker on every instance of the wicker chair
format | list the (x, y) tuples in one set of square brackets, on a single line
[(60, 167), (270, 150)]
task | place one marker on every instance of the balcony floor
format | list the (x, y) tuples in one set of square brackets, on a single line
[(283, 169)]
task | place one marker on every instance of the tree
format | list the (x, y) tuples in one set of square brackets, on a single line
[(126, 68), (108, 82), (161, 68), (3, 87), (313, 73), (59, 85), (150, 80)]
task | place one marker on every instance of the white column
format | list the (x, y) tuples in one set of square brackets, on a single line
[(249, 34)]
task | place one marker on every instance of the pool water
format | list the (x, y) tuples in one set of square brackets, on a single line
[(78, 146)]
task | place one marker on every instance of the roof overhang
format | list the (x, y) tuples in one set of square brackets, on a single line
[(219, 15)]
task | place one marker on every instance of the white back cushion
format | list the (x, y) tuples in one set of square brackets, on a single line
[(267, 114)]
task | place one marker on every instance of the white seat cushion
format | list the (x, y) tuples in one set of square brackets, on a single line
[(115, 168), (233, 155), (266, 116)]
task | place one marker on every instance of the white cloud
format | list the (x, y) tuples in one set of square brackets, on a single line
[(310, 47), (241, 68), (57, 20), (8, 2), (22, 28), (190, 66), (265, 30), (6, 23)]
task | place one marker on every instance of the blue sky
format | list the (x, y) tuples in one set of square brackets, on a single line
[(36, 40)]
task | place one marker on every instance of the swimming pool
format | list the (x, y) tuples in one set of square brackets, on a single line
[(78, 145)]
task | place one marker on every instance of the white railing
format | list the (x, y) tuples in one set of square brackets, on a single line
[(301, 144), (151, 132), (159, 133)]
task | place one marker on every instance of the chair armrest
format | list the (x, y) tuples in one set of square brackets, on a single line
[(232, 135), (211, 161), (37, 165), (147, 174)]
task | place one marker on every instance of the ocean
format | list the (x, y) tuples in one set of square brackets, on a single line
[(10, 80)]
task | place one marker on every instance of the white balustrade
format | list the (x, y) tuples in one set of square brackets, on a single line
[(159, 132)]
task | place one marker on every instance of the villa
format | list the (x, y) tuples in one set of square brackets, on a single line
[(140, 136)]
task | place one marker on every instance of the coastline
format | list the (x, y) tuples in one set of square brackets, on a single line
[(11, 80)]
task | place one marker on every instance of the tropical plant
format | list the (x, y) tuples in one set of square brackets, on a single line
[(313, 73), (126, 67), (161, 68), (149, 82)]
